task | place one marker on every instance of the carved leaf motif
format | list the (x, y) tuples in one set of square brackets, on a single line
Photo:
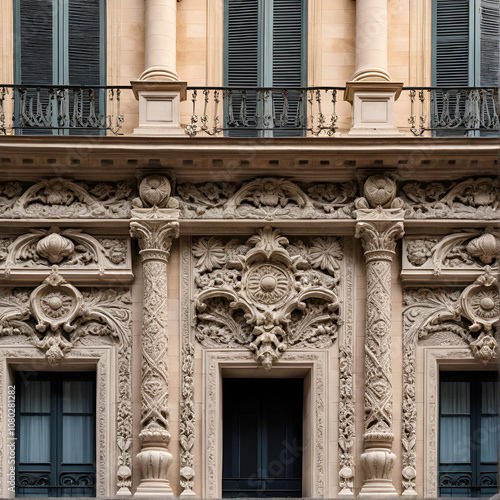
[(471, 198), (210, 254), (325, 253)]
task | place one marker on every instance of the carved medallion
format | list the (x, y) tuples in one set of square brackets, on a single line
[(55, 303), (266, 293)]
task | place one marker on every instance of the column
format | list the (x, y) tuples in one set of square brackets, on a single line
[(379, 231), (160, 40), (371, 91), (159, 90), (155, 228), (371, 41)]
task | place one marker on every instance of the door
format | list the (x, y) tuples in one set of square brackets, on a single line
[(262, 438)]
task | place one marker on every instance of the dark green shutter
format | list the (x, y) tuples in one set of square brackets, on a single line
[(452, 47), (265, 45), (288, 41), (242, 51), (34, 42), (85, 42), (488, 42)]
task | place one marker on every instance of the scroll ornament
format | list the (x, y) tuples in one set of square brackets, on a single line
[(277, 297), (63, 314)]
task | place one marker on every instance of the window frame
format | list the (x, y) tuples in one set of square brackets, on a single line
[(55, 466), (475, 380)]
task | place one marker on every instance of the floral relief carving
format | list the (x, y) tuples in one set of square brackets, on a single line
[(63, 198), (187, 421), (468, 199), (346, 438), (269, 295), (67, 248), (455, 318), (470, 248), (266, 198), (56, 318)]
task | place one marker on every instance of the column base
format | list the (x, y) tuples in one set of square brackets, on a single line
[(378, 488), (159, 107), (154, 488), (373, 108)]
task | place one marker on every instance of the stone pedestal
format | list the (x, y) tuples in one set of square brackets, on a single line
[(373, 107), (159, 107)]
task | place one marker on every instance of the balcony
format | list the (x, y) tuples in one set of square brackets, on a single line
[(245, 112)]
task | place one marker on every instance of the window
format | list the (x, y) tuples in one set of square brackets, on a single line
[(465, 54), (265, 46), (60, 42), (262, 438), (468, 434), (55, 431)]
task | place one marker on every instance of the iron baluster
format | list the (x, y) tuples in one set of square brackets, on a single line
[(333, 120), (192, 128)]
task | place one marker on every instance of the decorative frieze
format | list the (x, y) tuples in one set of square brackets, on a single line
[(68, 248), (266, 198), (266, 293), (468, 199), (59, 198), (467, 250)]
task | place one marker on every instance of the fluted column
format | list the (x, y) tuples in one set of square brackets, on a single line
[(379, 229), (160, 40), (155, 228), (371, 41)]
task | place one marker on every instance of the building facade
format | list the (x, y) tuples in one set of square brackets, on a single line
[(249, 248)]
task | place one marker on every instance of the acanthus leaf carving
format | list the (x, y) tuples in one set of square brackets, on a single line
[(62, 198), (470, 248), (68, 248), (432, 312), (271, 299), (467, 199), (266, 198)]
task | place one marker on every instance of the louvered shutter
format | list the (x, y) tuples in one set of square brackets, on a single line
[(86, 54), (287, 59), (85, 42), (242, 63), (488, 42), (452, 43), (34, 64)]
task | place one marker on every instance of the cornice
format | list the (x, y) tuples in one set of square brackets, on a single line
[(203, 159)]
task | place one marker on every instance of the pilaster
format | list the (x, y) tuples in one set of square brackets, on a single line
[(155, 228), (379, 227)]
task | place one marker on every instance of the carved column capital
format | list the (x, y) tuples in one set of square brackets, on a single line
[(155, 229), (379, 238)]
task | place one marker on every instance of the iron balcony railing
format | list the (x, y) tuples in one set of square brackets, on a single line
[(446, 111), (75, 109), (263, 111)]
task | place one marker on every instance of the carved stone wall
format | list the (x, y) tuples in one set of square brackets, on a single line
[(267, 293)]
